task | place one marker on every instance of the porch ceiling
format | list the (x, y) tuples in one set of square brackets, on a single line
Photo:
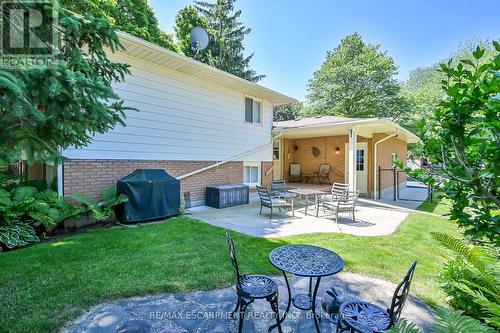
[(363, 127)]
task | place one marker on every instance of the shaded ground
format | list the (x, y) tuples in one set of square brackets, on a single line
[(209, 311)]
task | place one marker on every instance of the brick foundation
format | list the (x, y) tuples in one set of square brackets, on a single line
[(91, 177)]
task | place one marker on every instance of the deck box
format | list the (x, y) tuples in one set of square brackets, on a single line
[(226, 195)]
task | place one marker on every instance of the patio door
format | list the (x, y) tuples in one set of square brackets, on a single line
[(361, 166), (277, 168)]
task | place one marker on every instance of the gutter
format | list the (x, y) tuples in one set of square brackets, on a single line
[(375, 146), (211, 166)]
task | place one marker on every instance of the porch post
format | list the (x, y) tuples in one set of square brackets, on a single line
[(351, 163)]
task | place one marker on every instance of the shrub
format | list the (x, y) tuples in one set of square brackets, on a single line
[(472, 279), (105, 209), (25, 211)]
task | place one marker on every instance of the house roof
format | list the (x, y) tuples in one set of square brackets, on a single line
[(330, 125), (161, 56), (313, 121)]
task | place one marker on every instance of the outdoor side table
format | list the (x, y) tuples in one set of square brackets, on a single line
[(306, 261)]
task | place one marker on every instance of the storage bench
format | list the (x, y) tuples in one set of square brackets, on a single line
[(226, 195)]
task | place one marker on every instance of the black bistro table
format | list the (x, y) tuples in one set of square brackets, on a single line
[(306, 261)]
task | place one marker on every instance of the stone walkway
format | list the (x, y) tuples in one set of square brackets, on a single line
[(208, 311)]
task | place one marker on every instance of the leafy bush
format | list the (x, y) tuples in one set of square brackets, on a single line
[(105, 209), (463, 137), (447, 321), (472, 279), (24, 210), (17, 235)]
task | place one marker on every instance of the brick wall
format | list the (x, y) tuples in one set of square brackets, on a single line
[(384, 159), (91, 177), (300, 151)]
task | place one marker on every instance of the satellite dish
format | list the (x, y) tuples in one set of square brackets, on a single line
[(199, 39)]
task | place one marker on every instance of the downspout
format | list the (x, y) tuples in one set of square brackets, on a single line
[(375, 146), (211, 166), (60, 176)]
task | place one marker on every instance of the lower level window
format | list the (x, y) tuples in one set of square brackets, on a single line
[(251, 173)]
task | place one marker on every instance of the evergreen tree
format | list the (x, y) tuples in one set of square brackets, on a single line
[(48, 107), (356, 80), (133, 16), (227, 33)]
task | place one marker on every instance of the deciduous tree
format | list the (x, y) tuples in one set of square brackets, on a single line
[(186, 19), (133, 16), (356, 80)]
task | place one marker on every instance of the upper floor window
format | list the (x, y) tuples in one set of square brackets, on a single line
[(252, 110)]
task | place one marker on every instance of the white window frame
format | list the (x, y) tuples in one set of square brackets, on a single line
[(261, 113), (259, 172)]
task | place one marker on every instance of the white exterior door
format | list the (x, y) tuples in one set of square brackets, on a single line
[(361, 166), (277, 167)]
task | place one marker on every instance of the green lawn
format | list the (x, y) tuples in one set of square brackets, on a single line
[(44, 286), (439, 204)]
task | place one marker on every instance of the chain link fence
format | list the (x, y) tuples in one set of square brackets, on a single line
[(394, 184)]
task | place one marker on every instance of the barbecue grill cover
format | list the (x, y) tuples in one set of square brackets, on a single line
[(152, 194)]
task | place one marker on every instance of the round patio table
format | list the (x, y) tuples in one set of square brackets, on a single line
[(307, 261)]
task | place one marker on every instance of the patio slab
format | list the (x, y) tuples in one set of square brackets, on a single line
[(371, 220), (208, 311)]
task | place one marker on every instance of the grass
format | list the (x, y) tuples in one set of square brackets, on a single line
[(44, 286), (439, 205)]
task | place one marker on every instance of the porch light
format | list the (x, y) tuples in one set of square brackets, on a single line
[(337, 150)]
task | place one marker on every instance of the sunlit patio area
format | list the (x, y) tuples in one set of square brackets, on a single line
[(371, 218)]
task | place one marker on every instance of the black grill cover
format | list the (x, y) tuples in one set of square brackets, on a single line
[(152, 194)]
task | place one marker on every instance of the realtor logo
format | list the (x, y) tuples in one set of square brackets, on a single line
[(29, 35)]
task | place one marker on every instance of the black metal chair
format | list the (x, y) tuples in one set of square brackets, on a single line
[(364, 317), (252, 287), (266, 200)]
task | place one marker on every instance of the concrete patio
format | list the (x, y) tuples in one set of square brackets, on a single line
[(371, 219), (208, 311)]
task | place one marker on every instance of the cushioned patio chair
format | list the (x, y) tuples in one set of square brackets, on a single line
[(279, 189), (322, 173), (364, 317), (252, 287), (266, 200), (346, 203)]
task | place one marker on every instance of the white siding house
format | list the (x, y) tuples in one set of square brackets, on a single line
[(189, 116)]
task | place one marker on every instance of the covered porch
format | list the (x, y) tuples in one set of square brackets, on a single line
[(354, 150)]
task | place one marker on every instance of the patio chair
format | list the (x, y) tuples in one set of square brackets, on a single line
[(359, 316), (280, 190), (322, 173), (266, 200), (294, 172), (346, 203), (338, 190), (252, 287)]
